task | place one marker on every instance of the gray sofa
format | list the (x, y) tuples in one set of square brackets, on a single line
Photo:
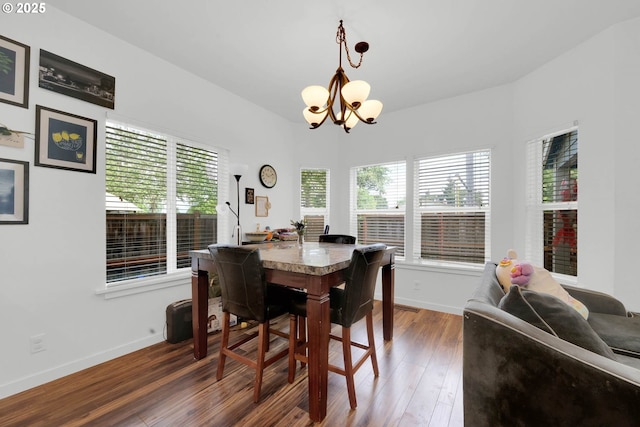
[(517, 374)]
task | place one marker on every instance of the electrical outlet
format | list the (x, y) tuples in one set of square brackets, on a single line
[(37, 343)]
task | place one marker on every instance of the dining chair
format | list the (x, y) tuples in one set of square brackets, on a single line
[(246, 293), (337, 238), (347, 306)]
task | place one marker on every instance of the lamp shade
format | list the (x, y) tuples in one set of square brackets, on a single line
[(314, 119), (315, 96), (370, 110), (356, 92), (238, 169)]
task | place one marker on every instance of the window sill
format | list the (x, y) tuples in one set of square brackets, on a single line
[(138, 286), (441, 267)]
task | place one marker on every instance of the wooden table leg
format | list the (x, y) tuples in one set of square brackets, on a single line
[(388, 285), (319, 326), (199, 311)]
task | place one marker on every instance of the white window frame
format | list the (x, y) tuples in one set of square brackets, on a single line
[(324, 211), (391, 211), (419, 210), (535, 208), (174, 276)]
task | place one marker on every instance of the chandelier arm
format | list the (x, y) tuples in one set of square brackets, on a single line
[(317, 125), (372, 122)]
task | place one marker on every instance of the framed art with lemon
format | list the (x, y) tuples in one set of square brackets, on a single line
[(65, 141)]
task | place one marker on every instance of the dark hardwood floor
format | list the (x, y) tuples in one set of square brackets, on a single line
[(420, 384)]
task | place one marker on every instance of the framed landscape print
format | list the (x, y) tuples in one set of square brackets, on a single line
[(14, 72), (65, 141), (72, 79), (14, 192)]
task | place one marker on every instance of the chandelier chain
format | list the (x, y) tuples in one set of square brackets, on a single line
[(341, 38)]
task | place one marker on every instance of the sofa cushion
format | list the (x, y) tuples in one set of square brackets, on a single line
[(621, 333), (552, 315)]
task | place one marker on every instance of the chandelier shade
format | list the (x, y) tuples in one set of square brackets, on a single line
[(349, 98), (315, 96), (356, 92)]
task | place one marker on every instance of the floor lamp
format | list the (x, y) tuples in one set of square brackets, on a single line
[(237, 170)]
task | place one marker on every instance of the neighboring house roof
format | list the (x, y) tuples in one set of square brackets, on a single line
[(115, 203)]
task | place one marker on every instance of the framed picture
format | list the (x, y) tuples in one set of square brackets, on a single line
[(249, 196), (262, 206), (14, 72), (65, 141), (14, 192), (72, 79)]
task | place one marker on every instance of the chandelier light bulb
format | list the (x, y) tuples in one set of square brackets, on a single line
[(314, 119), (370, 110), (356, 92), (315, 97)]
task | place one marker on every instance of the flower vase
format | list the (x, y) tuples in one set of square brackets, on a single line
[(300, 238)]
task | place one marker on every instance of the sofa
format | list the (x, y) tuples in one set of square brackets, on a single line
[(521, 373)]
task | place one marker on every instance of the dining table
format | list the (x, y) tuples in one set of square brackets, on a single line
[(310, 266)]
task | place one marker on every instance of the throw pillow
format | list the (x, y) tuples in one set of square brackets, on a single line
[(554, 316), (511, 271)]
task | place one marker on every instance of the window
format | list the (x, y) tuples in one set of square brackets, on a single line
[(314, 201), (161, 195), (378, 204), (451, 214), (552, 211)]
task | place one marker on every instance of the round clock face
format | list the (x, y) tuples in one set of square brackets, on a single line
[(268, 176)]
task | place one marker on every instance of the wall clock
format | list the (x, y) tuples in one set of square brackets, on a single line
[(268, 176)]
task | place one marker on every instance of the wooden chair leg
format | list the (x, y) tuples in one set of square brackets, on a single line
[(293, 346), (263, 340), (302, 336), (372, 344), (348, 366), (224, 343)]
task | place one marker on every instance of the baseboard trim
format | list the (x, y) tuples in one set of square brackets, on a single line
[(48, 375), (425, 305)]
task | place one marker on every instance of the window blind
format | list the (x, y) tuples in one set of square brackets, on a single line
[(196, 200), (136, 176), (314, 201), (378, 202), (451, 215)]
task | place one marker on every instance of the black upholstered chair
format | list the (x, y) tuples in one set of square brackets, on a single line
[(337, 238), (246, 294), (348, 306)]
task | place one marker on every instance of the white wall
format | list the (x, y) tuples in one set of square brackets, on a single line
[(51, 268), (597, 85), (626, 173)]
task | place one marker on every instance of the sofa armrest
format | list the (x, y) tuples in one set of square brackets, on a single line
[(597, 302), (516, 374)]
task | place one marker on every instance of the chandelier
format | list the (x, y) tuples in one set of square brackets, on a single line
[(350, 97)]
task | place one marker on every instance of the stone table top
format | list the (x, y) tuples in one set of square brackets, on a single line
[(309, 258)]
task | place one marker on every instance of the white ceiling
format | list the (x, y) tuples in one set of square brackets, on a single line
[(267, 51)]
